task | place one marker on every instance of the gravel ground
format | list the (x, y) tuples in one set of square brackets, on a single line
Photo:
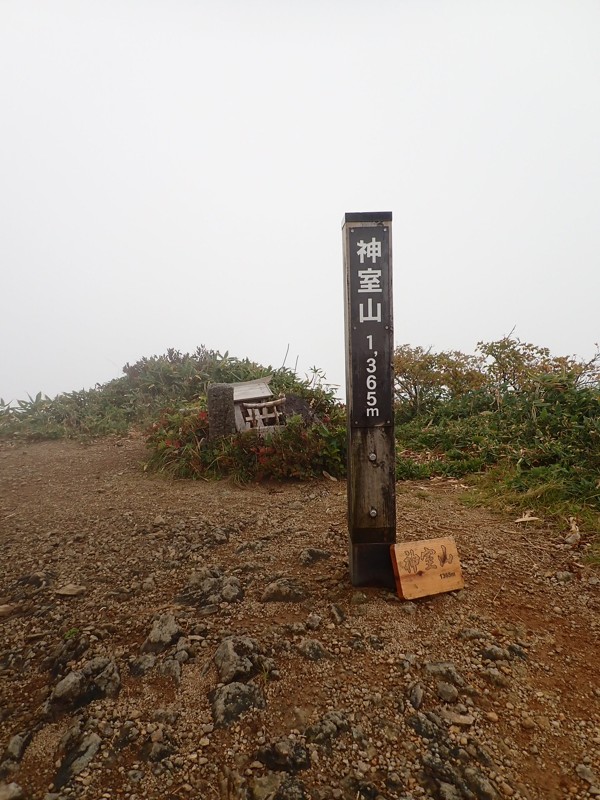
[(202, 640)]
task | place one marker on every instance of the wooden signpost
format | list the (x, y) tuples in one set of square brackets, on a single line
[(426, 567), (369, 396)]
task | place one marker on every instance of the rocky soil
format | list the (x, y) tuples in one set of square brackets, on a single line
[(182, 640)]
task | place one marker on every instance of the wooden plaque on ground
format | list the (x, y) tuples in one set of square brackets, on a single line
[(428, 566)]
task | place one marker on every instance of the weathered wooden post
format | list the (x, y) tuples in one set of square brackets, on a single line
[(369, 396), (221, 410)]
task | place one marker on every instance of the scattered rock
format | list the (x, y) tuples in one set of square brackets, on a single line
[(313, 621), (11, 791), (468, 634), (586, 774), (479, 784), (415, 695), (230, 702), (496, 677), (99, 677), (463, 720), (448, 792), (72, 648), (142, 664), (495, 653), (332, 725), (77, 758), (425, 725), (312, 649), (337, 614), (164, 632), (209, 587), (446, 670), (16, 746), (285, 754), (518, 651), (284, 590), (239, 658), (564, 576), (408, 608), (312, 555), (447, 692), (105, 676), (266, 786), (157, 751), (171, 668), (70, 590)]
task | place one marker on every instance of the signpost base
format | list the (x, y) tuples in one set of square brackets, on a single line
[(371, 565)]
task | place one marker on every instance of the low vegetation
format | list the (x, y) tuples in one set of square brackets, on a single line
[(526, 422)]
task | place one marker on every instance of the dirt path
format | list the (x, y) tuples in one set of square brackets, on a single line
[(326, 692)]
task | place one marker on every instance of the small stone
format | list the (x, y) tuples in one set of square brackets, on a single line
[(6, 611), (448, 791), (479, 784), (494, 653), (16, 746), (408, 608), (266, 786), (415, 695), (464, 720), (77, 758), (284, 590), (312, 555), (495, 677), (468, 634), (492, 716), (70, 590), (229, 702), (143, 664), (332, 725), (506, 790), (164, 632), (171, 668), (70, 689), (447, 692), (313, 621), (237, 658), (564, 576), (285, 754), (586, 774), (312, 649), (11, 791), (445, 669)]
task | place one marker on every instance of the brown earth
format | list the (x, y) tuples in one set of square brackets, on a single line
[(489, 692)]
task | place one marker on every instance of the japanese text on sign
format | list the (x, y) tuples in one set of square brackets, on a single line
[(370, 284)]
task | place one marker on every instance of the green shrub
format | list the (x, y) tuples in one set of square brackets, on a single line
[(181, 447)]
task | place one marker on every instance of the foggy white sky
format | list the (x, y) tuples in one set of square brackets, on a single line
[(175, 174)]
